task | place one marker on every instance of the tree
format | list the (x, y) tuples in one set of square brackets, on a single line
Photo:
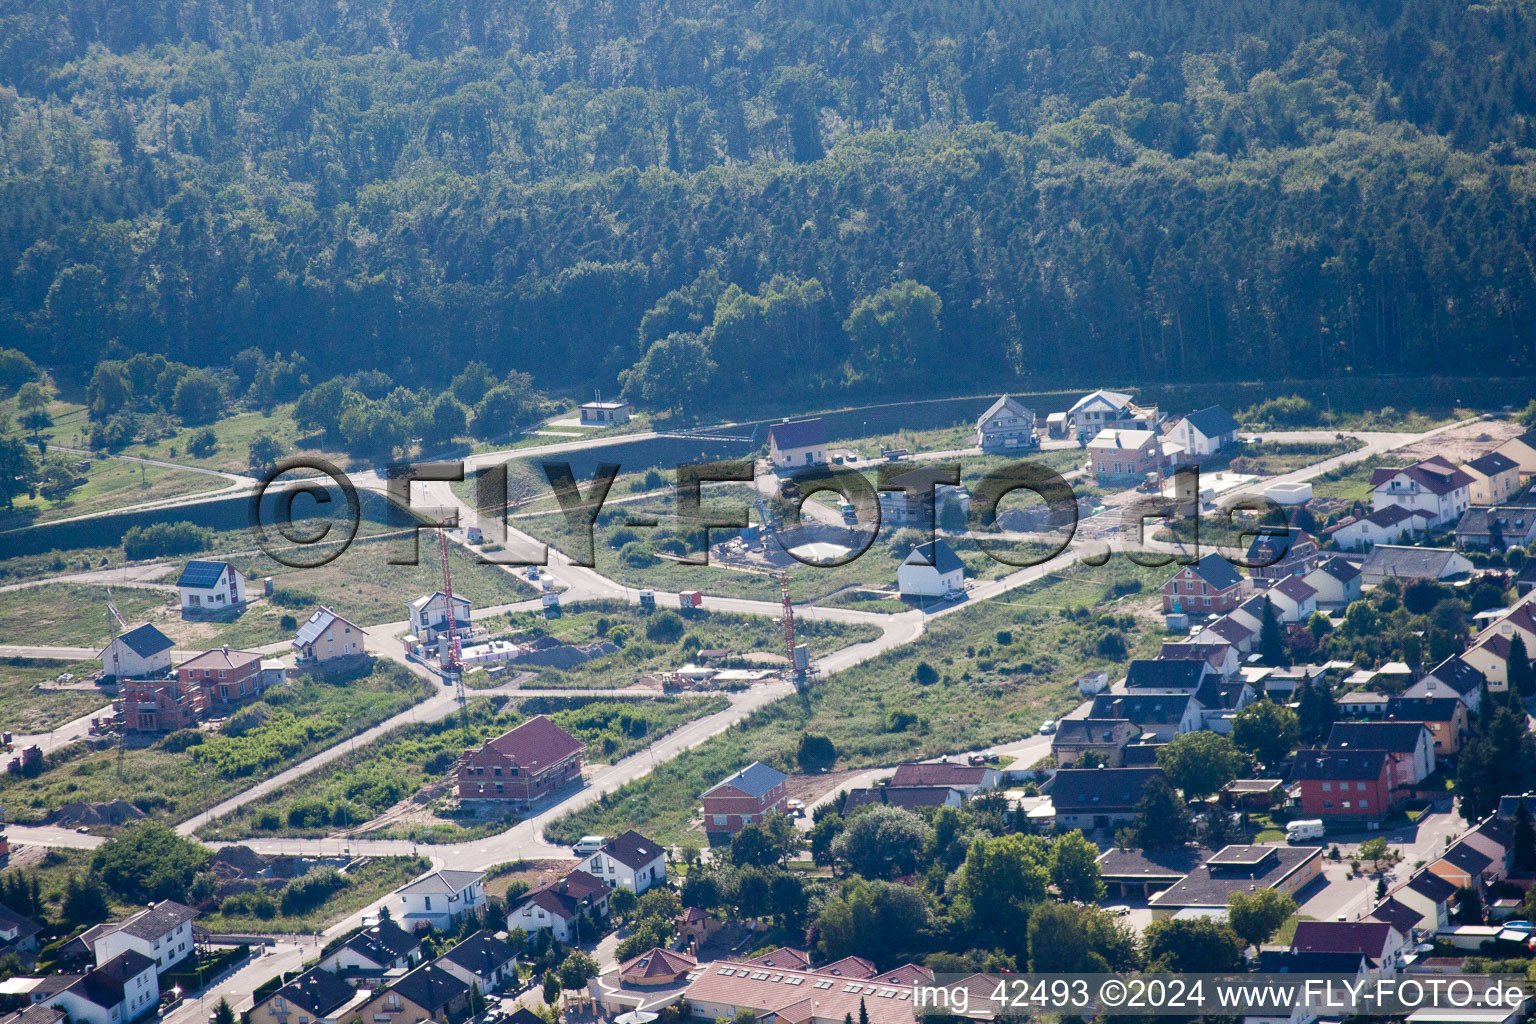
[(445, 421), (198, 398), (85, 902), (18, 469), (623, 901), (1524, 853), (203, 443), (1266, 730), (1271, 636), (826, 829), (1200, 763), (1257, 915), (265, 451), (149, 861), (1075, 868), (1162, 819), (33, 399), (895, 331), (1195, 946), (881, 841), (873, 919), (1002, 878), (551, 983), (816, 753), (223, 1013), (1315, 710), (576, 968), (1518, 672)]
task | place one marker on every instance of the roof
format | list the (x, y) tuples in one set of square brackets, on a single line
[(1295, 588), (1215, 693), (145, 641), (1117, 863), (633, 850), (1492, 464), (1432, 886), (1165, 674), (756, 779), (436, 595), (900, 796), (1232, 869), (221, 659), (37, 1014), (1209, 651), (1395, 737), (1123, 439), (319, 992), (1367, 937), (1143, 708), (1117, 399), (1466, 858), (1341, 569), (567, 896), (658, 963), (537, 743), (1478, 520), (1230, 630), (201, 574), (444, 883), (1268, 549), (318, 623), (157, 920), (1217, 572), (430, 987), (777, 991), (940, 773), (1436, 474), (937, 554), (1310, 962), (104, 986), (482, 954), (1457, 675), (798, 433), (1100, 788), (784, 956), (1212, 422), (1398, 915), (1077, 731), (849, 967), (1339, 764), (1408, 562), (383, 943), (24, 927), (1423, 709), (1005, 404)]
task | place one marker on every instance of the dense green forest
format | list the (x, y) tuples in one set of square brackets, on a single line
[(704, 200)]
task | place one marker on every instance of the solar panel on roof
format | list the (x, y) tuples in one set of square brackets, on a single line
[(201, 574)]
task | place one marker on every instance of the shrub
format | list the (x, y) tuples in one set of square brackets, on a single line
[(159, 539), (203, 443), (664, 627)]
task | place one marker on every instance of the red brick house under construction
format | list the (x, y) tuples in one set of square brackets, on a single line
[(519, 768)]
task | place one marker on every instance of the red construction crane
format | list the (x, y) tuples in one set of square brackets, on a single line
[(452, 670), (789, 620)]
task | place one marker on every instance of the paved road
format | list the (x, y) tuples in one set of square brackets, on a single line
[(143, 577)]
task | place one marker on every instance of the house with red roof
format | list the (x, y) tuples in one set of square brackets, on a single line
[(1209, 587), (227, 677), (518, 768)]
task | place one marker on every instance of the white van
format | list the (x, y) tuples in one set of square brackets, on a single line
[(590, 844), (1300, 831)]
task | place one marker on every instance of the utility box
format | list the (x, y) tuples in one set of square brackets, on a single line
[(267, 586), (648, 599)]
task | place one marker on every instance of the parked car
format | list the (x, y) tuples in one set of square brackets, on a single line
[(1047, 727)]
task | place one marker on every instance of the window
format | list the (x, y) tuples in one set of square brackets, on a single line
[(1327, 786)]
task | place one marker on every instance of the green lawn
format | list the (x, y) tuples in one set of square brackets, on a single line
[(367, 782), (1353, 482), (366, 882), (235, 434), (306, 716), (74, 615), (112, 483), (24, 709), (985, 675)]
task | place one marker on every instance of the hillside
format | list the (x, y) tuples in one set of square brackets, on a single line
[(855, 197)]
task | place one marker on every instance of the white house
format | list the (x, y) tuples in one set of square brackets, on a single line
[(1336, 581), (140, 653), (374, 950), (1294, 599), (1093, 412), (630, 861), (1436, 485), (209, 588), (429, 618), (931, 570), (1390, 524), (481, 961), (1007, 425), (440, 898), (1205, 432), (325, 636), (797, 444), (1389, 561), (604, 414), (162, 932), (561, 904), (123, 989)]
